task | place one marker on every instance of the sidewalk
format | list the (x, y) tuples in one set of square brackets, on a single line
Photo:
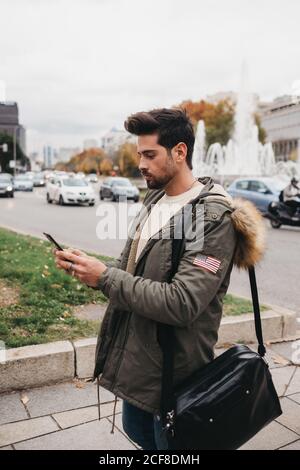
[(65, 416)]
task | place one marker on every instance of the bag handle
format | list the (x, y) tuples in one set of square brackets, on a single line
[(166, 335)]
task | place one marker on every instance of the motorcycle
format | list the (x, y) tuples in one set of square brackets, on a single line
[(280, 214)]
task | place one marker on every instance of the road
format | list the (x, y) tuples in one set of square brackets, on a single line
[(278, 274)]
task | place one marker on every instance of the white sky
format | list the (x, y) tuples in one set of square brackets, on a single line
[(79, 67)]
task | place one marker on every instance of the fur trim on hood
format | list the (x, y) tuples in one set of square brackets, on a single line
[(250, 229), (249, 226)]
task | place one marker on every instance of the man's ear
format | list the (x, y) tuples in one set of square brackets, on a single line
[(181, 152)]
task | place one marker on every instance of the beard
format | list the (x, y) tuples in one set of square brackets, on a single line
[(158, 183)]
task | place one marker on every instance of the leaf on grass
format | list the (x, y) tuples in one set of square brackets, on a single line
[(55, 286)]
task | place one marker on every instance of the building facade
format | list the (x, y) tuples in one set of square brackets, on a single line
[(113, 139), (281, 120), (10, 125)]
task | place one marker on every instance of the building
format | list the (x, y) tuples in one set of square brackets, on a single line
[(281, 120), (9, 123), (35, 161), (49, 157), (113, 139)]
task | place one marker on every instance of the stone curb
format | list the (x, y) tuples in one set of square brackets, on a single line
[(43, 364)]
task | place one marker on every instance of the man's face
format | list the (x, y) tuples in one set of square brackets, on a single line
[(156, 164)]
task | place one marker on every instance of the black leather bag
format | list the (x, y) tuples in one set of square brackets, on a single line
[(226, 402)]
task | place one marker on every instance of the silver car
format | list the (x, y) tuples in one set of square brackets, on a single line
[(6, 185), (116, 188), (23, 183)]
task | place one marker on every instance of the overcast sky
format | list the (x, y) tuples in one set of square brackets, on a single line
[(79, 67)]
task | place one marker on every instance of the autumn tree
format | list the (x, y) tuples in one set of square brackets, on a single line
[(106, 166), (88, 161), (128, 160)]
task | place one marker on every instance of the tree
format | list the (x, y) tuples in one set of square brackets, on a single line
[(106, 166), (6, 157), (262, 134), (219, 122), (128, 160), (87, 161)]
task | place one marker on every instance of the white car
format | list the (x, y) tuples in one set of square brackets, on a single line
[(66, 190), (23, 183)]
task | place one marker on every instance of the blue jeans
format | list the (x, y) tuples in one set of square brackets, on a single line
[(143, 428)]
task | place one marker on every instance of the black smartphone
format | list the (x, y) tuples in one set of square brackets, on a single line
[(51, 239)]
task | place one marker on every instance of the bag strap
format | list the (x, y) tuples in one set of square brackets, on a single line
[(166, 335)]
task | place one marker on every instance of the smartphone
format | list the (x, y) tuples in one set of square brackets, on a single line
[(51, 239)]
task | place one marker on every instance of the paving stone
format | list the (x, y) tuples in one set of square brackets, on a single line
[(294, 386), (290, 415), (67, 419), (289, 350), (119, 425), (12, 409), (89, 436), (21, 430), (293, 446), (295, 397), (281, 378), (271, 437), (93, 312), (66, 396)]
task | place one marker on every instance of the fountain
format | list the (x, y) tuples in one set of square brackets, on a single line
[(243, 154)]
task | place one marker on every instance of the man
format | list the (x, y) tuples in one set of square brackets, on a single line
[(291, 195), (138, 284)]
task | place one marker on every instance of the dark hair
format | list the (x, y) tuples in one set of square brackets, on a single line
[(171, 125)]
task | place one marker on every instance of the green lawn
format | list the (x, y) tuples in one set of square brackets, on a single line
[(41, 307), (37, 299)]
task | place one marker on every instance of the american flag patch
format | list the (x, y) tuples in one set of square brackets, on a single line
[(207, 262)]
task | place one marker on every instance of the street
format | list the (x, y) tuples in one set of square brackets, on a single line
[(278, 274)]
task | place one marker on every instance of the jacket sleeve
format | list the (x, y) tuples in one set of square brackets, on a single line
[(192, 288), (114, 263)]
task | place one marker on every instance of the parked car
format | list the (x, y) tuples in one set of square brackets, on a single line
[(115, 188), (23, 183), (6, 185), (38, 179), (7, 176), (92, 178), (260, 191), (66, 190)]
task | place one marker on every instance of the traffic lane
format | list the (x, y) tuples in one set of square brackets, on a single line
[(74, 226), (278, 274)]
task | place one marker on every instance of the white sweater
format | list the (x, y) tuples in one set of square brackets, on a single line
[(162, 211)]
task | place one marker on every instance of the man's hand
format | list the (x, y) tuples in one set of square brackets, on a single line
[(86, 269)]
